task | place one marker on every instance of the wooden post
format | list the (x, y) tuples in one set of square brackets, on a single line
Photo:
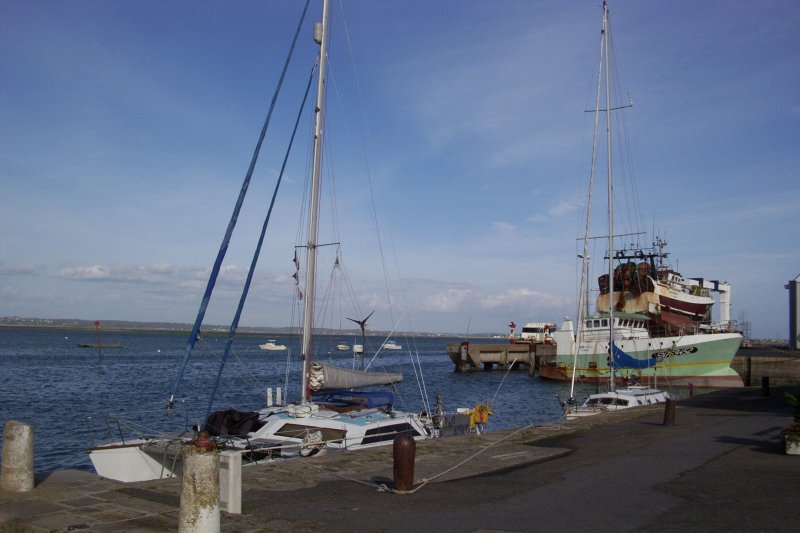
[(748, 371), (669, 412), (404, 450)]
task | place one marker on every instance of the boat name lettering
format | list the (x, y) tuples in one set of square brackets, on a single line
[(675, 353)]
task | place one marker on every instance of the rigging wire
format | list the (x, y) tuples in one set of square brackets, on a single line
[(234, 216), (235, 324)]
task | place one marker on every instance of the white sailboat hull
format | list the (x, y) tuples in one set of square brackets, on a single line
[(286, 432), (129, 462), (617, 400)]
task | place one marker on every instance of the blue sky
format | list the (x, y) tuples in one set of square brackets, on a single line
[(126, 129)]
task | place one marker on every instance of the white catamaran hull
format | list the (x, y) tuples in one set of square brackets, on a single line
[(129, 462), (286, 432)]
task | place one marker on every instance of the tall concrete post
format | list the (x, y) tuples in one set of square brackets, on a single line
[(16, 471), (794, 315), (199, 512)]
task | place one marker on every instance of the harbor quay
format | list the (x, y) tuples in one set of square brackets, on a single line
[(719, 465)]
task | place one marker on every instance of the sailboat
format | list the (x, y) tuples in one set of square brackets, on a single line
[(626, 348), (335, 410)]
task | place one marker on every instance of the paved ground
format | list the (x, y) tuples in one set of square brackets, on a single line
[(719, 467)]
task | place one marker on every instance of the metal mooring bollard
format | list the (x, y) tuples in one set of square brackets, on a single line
[(669, 412), (199, 512), (16, 472), (691, 390), (404, 450), (765, 386)]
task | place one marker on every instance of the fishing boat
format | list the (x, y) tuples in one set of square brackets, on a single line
[(644, 282), (272, 346), (338, 408), (621, 348)]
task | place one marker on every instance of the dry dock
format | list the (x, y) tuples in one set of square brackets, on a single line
[(719, 467)]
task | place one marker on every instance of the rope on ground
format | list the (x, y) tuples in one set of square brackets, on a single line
[(382, 487)]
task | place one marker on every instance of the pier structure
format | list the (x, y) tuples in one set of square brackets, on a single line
[(471, 356)]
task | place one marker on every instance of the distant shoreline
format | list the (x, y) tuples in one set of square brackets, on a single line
[(210, 330)]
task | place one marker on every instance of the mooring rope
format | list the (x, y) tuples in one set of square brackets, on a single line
[(382, 487)]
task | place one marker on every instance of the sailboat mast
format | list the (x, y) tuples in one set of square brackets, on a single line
[(583, 293), (321, 37), (610, 202)]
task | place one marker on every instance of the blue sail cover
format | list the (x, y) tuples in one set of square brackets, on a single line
[(623, 360)]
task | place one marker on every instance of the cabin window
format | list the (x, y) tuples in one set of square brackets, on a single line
[(597, 323), (298, 431), (605, 323), (389, 432), (588, 323)]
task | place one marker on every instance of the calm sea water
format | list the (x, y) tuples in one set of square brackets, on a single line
[(65, 391)]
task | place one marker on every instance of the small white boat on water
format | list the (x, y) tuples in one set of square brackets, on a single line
[(343, 347), (358, 348), (271, 346), (392, 345)]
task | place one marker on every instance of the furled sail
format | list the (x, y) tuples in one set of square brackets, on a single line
[(327, 377)]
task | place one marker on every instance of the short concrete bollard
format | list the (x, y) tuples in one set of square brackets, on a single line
[(404, 450), (669, 411), (199, 512), (16, 472), (230, 481)]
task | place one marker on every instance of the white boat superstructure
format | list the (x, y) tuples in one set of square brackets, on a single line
[(272, 346), (618, 399), (391, 345)]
